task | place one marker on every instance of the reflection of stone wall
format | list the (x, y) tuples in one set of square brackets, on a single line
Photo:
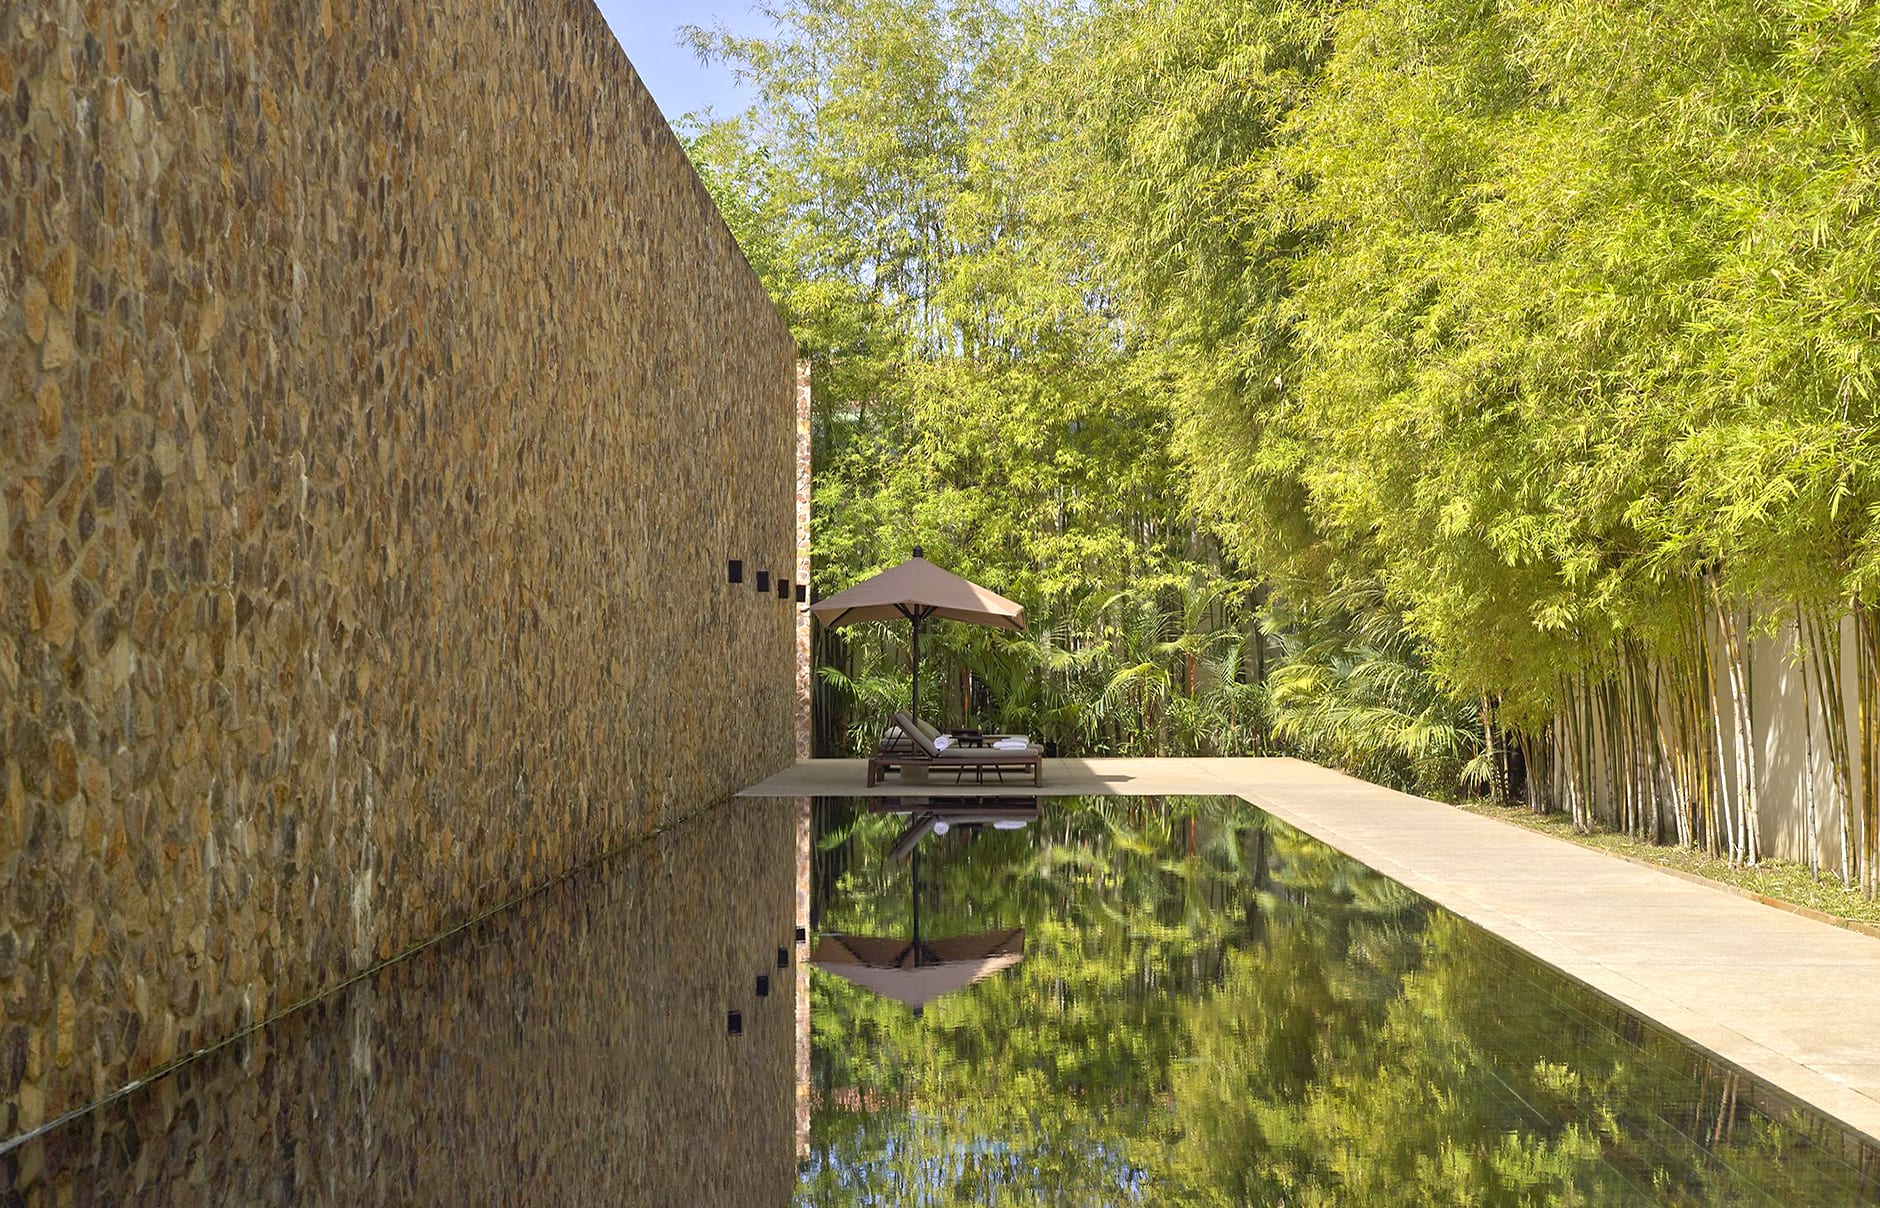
[(570, 1050), (380, 399)]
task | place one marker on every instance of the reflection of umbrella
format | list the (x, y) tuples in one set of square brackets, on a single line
[(917, 974), (918, 591), (916, 971)]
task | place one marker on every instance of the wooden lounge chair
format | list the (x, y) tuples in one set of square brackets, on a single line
[(895, 740), (955, 759)]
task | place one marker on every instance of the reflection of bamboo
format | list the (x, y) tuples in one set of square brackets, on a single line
[(1701, 1099), (1724, 1126)]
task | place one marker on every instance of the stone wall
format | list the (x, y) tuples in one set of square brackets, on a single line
[(381, 397)]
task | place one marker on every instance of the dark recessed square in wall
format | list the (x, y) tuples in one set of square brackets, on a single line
[(783, 589), (763, 582), (734, 570)]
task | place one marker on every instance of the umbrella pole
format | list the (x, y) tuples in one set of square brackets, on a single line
[(917, 619)]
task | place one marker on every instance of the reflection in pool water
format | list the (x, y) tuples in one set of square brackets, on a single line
[(570, 1049), (1216, 1009), (1192, 1004)]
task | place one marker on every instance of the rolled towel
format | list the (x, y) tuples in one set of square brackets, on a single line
[(943, 742), (1009, 744)]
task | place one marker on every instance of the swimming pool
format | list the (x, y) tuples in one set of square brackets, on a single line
[(1206, 1006), (1215, 1008)]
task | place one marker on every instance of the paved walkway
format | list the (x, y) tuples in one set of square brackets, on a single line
[(1792, 1001)]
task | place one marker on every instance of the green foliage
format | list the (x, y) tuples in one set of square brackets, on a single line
[(1532, 322), (973, 392), (1351, 690), (1531, 313)]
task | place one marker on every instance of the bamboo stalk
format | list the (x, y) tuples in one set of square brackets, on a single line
[(1677, 689), (1810, 822), (1619, 759), (1488, 749), (1825, 647), (1695, 739), (1714, 735), (1864, 664), (1648, 726), (1736, 675), (1583, 802)]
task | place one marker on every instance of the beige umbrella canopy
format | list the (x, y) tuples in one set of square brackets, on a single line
[(918, 591), (917, 972)]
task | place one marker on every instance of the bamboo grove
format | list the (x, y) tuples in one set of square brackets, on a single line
[(1522, 354)]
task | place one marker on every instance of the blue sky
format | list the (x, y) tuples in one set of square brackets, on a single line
[(673, 73)]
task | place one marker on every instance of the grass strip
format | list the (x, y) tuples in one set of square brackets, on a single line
[(1780, 883)]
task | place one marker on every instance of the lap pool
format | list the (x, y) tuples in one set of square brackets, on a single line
[(1214, 1008), (1168, 1000)]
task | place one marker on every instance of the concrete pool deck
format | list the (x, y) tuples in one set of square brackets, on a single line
[(1790, 1000)]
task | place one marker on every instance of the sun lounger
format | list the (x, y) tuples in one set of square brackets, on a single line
[(956, 759), (895, 741)]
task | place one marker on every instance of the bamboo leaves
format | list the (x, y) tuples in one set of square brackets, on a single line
[(1549, 325)]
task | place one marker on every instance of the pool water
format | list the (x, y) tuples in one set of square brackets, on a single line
[(1175, 1001), (1214, 1008), (570, 1049)]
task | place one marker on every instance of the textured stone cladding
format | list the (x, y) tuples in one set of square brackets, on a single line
[(569, 1051), (381, 397)]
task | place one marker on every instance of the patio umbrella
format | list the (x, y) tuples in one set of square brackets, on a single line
[(918, 591), (916, 971)]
